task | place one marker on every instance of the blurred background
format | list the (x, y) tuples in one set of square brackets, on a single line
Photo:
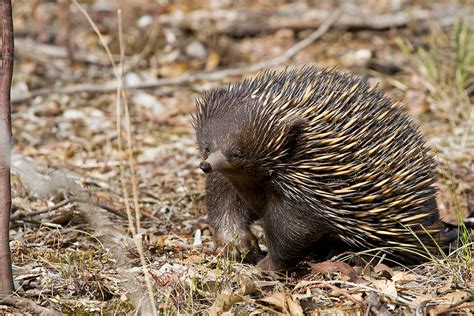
[(420, 53)]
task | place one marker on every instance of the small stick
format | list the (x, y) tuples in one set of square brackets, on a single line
[(458, 305), (342, 292), (19, 215), (65, 17)]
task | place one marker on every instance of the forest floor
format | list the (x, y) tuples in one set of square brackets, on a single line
[(75, 174)]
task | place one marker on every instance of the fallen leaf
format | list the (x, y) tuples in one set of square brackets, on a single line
[(277, 299), (336, 266), (455, 297), (247, 285), (386, 286), (213, 61), (294, 307), (158, 241), (174, 70), (383, 270), (223, 302), (403, 276)]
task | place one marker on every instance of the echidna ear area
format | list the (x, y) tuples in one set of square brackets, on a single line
[(360, 164)]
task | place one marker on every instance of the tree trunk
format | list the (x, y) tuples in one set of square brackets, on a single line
[(6, 279)]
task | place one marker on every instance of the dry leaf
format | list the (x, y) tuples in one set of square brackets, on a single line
[(213, 60), (386, 286), (276, 299), (336, 266), (174, 70), (294, 306), (403, 276), (383, 270), (247, 285), (223, 302), (455, 297), (455, 301)]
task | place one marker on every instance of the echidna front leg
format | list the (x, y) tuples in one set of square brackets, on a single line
[(230, 219), (290, 232)]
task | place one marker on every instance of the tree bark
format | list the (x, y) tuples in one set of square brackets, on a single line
[(6, 72)]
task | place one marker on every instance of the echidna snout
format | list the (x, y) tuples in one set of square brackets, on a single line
[(205, 167), (215, 162)]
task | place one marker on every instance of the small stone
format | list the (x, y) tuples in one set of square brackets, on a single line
[(196, 49)]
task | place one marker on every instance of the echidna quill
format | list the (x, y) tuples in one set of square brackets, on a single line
[(315, 154)]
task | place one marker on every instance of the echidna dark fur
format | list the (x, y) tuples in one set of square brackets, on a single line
[(315, 154)]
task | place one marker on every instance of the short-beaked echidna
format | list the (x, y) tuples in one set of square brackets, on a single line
[(315, 154)]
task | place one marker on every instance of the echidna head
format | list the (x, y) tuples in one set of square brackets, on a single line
[(226, 146), (236, 137)]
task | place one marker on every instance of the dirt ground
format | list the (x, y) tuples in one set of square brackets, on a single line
[(78, 171)]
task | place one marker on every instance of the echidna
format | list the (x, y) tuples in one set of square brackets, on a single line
[(315, 154)]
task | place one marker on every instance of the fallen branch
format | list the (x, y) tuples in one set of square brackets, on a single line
[(19, 215), (301, 16), (36, 50), (188, 78), (457, 306)]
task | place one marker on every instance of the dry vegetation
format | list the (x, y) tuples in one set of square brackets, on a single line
[(74, 248)]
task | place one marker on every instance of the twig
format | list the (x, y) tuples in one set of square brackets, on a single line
[(39, 21), (458, 305), (188, 78), (65, 17), (342, 292), (19, 215)]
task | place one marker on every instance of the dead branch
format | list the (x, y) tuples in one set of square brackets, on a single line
[(457, 306), (189, 78), (36, 50), (6, 72), (301, 16), (20, 215)]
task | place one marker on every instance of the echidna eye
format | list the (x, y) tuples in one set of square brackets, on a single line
[(205, 152), (236, 154)]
